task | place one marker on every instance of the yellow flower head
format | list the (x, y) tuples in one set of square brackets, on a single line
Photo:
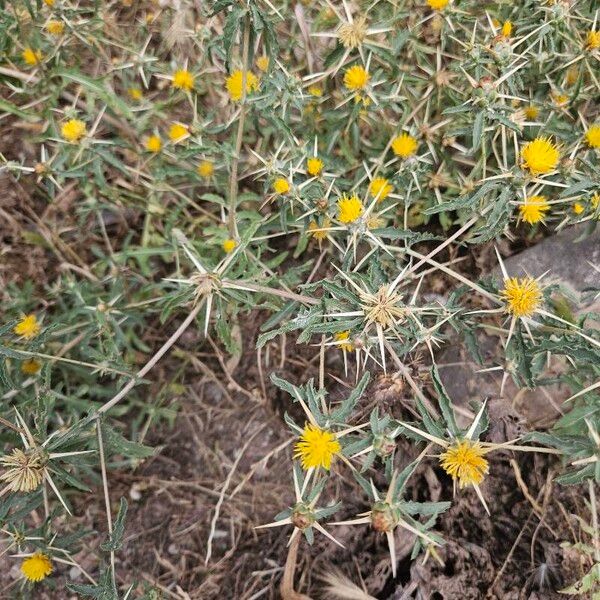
[(340, 337), (206, 169), (380, 188), (49, 2), (314, 166), (572, 76), (356, 78), (229, 245), (31, 56), (592, 136), (315, 91), (522, 296), (281, 186), (316, 448), (349, 209), (153, 143), (593, 39), (438, 4), (30, 366), (561, 99), (540, 156), (595, 200), (36, 567), (28, 327), (262, 62), (507, 28), (464, 460), (177, 132), (404, 145), (54, 27), (531, 112), (313, 229), (534, 209), (73, 130), (183, 80), (135, 93), (578, 208), (234, 84)]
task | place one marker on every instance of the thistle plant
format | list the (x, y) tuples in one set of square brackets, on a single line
[(207, 185)]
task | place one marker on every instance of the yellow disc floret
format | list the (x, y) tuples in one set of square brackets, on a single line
[(281, 186), (28, 327), (183, 80), (314, 166), (540, 156), (55, 27), (593, 39), (32, 57), (73, 130), (349, 208), (206, 169), (522, 296), (380, 188), (316, 448), (464, 461), (229, 245), (404, 145), (534, 209), (592, 136), (177, 132), (153, 143), (234, 84), (36, 567), (356, 78), (438, 4)]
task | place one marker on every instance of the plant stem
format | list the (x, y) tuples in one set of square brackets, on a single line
[(233, 180)]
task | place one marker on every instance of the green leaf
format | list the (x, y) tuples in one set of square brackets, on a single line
[(115, 540)]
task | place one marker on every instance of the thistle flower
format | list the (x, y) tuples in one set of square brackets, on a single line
[(531, 112), (177, 132), (464, 461), (534, 209), (340, 337), (55, 27), (206, 169), (262, 62), (404, 145), (32, 57), (25, 469), (314, 166), (183, 80), (592, 136), (30, 366), (507, 28), (281, 186), (522, 296), (438, 4), (73, 130), (153, 144), (352, 35), (349, 209), (28, 327), (540, 156), (36, 567), (229, 245), (315, 91), (356, 78), (234, 84), (380, 188), (593, 40), (316, 231), (135, 93), (578, 208), (316, 448)]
